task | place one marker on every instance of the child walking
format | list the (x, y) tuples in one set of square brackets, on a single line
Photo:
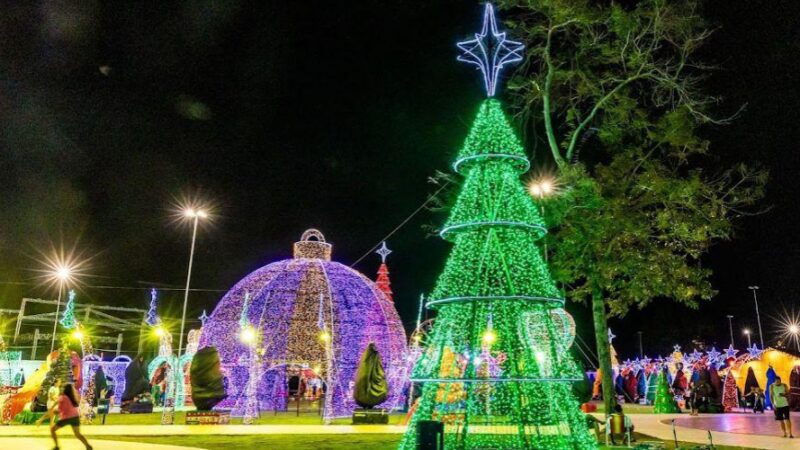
[(67, 407)]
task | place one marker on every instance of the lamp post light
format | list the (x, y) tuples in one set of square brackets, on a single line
[(541, 188), (195, 215), (747, 333), (758, 316), (794, 330), (730, 327)]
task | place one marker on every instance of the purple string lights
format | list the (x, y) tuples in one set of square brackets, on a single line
[(312, 313)]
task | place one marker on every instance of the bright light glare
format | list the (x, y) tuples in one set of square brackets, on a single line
[(746, 331), (489, 336), (794, 328), (61, 268), (324, 336), (190, 213), (159, 331), (248, 335), (77, 335), (543, 186)]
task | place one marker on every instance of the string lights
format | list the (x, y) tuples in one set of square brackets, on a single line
[(68, 316), (305, 313), (490, 51)]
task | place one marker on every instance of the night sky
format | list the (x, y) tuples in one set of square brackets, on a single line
[(292, 115)]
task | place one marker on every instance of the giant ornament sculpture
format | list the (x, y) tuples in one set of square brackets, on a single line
[(307, 312)]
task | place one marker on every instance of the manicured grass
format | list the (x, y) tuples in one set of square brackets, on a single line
[(628, 408), (280, 441)]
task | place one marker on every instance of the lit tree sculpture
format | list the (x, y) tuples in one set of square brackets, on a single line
[(382, 281), (497, 370), (68, 316)]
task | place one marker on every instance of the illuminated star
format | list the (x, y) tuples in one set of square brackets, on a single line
[(383, 251), (490, 51), (611, 336), (713, 355), (755, 352), (731, 352), (695, 356), (676, 348)]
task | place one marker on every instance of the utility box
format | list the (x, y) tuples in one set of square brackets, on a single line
[(430, 435)]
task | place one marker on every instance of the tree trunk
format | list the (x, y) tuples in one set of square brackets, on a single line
[(603, 349)]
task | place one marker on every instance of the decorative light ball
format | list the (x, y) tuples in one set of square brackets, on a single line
[(306, 312)]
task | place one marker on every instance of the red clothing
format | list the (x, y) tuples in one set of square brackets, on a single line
[(65, 408)]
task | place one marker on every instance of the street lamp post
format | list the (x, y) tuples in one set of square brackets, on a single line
[(196, 215), (730, 327), (747, 333), (62, 274), (541, 188), (758, 316), (641, 351), (55, 320)]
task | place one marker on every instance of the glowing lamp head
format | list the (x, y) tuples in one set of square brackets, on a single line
[(746, 331), (77, 335), (324, 336), (159, 332), (794, 328), (190, 213), (248, 335), (63, 273), (489, 337), (535, 189)]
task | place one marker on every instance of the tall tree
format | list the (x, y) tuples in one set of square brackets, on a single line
[(618, 94)]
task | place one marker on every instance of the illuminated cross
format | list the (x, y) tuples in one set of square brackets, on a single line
[(611, 336), (203, 317), (490, 51), (383, 251)]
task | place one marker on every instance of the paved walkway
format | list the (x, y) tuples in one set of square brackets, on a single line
[(694, 429), (65, 443)]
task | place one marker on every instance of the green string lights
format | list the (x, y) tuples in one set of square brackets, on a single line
[(68, 316), (496, 369)]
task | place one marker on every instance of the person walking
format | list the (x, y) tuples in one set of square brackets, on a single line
[(67, 407), (52, 397), (779, 393)]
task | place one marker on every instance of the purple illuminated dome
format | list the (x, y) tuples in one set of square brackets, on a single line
[(311, 316)]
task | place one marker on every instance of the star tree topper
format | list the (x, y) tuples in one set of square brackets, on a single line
[(383, 251), (490, 51)]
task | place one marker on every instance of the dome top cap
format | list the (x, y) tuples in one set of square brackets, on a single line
[(312, 245)]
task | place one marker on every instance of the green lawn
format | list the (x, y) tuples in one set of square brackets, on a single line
[(281, 441)]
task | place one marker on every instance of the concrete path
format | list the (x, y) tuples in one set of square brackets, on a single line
[(693, 429), (27, 443)]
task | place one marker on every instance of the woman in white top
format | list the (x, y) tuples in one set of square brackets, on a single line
[(52, 397)]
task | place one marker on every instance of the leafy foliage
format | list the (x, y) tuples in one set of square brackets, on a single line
[(638, 211)]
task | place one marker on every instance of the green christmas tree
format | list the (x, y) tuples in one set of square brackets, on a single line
[(60, 369), (496, 369), (665, 401)]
